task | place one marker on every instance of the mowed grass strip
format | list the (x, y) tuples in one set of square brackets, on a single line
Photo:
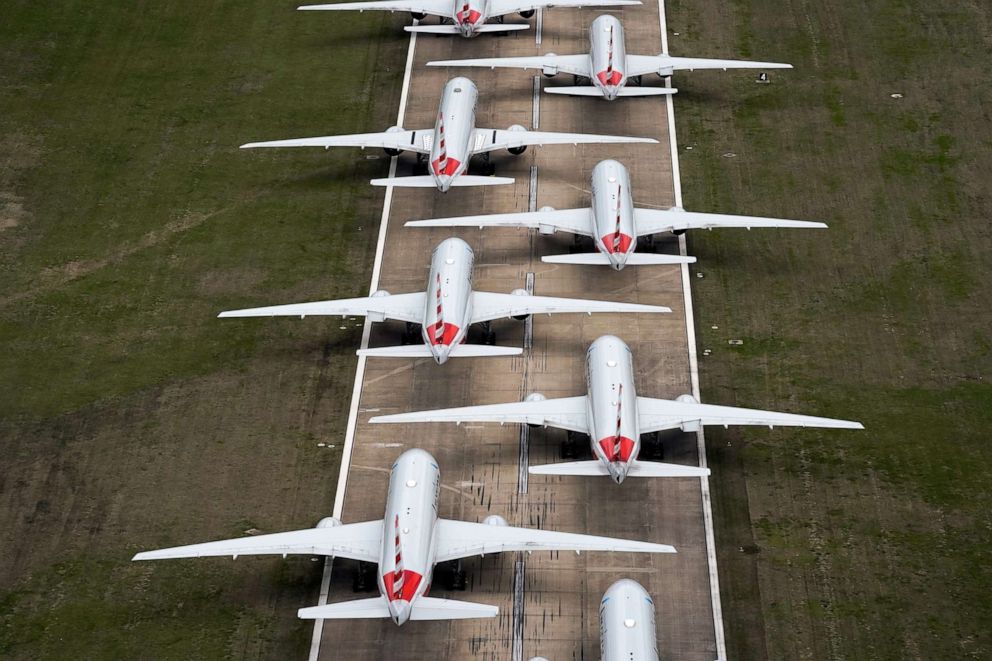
[(847, 545), (130, 417)]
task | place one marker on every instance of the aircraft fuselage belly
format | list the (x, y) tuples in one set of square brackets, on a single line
[(453, 130), (609, 55)]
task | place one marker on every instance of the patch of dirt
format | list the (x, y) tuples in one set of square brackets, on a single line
[(12, 211)]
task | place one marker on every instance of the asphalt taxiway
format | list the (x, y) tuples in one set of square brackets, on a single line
[(548, 601)]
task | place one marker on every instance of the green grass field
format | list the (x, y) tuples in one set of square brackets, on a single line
[(131, 417), (837, 545)]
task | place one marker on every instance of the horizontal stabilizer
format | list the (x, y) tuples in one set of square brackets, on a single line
[(589, 90), (634, 259), (637, 469), (427, 181), (423, 351), (424, 608), (453, 29)]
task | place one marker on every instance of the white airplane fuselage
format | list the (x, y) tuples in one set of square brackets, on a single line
[(608, 53), (613, 428), (626, 623), (469, 14), (406, 562), (452, 147), (614, 233), (448, 306)]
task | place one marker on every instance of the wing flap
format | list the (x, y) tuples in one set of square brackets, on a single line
[(403, 307), (433, 7), (487, 306), (487, 140), (461, 539), (357, 541), (563, 413), (654, 221), (502, 7), (638, 65), (415, 141), (576, 221), (573, 64), (659, 414)]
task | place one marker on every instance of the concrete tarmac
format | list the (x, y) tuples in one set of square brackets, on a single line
[(548, 601)]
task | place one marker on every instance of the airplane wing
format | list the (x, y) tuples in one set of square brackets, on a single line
[(404, 307), (638, 65), (502, 7), (658, 414), (576, 221), (432, 7), (357, 541), (416, 141), (563, 413), (461, 539), (654, 221), (574, 64), (485, 140), (487, 306)]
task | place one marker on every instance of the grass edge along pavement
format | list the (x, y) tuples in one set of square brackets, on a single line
[(129, 220), (836, 545)]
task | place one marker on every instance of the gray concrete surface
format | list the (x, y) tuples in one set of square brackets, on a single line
[(480, 464)]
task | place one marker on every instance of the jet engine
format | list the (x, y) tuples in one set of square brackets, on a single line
[(686, 399), (546, 229), (516, 151), (494, 520), (550, 70), (328, 522), (665, 72), (527, 14), (393, 129), (534, 397), (418, 16), (379, 293), (520, 292)]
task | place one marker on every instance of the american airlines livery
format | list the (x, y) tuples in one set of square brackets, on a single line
[(446, 310), (451, 143), (406, 543), (608, 66), (613, 222), (467, 17), (614, 417)]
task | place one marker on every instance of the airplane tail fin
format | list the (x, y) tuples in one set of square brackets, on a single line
[(589, 90), (427, 181), (424, 608), (637, 469), (453, 29), (634, 259), (423, 351)]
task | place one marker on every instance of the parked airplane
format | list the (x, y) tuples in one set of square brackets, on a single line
[(615, 417), (613, 222), (407, 543), (468, 17), (451, 143), (446, 309), (608, 66)]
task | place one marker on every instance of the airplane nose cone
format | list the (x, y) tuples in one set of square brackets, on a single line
[(441, 353), (399, 611), (618, 471)]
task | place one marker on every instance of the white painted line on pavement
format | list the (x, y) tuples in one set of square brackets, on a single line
[(690, 327), (356, 392)]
